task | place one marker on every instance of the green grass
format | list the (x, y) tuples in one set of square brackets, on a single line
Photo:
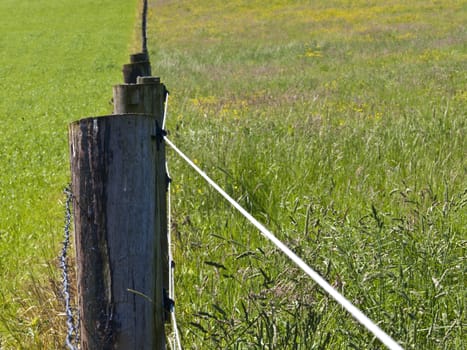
[(341, 126), (58, 62)]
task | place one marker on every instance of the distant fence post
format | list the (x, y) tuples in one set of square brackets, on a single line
[(119, 187), (139, 67)]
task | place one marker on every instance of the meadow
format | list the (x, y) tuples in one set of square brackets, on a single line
[(340, 125), (58, 62)]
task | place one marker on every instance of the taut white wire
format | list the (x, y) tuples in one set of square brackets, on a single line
[(176, 341), (346, 304), (165, 110)]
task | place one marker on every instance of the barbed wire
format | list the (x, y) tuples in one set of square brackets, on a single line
[(72, 337)]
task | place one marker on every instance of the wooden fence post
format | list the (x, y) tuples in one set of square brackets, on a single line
[(139, 66), (148, 97), (119, 186), (115, 182)]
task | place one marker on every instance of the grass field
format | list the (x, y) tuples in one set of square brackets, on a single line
[(340, 125), (58, 62)]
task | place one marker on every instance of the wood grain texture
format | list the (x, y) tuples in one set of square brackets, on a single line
[(147, 97), (117, 221)]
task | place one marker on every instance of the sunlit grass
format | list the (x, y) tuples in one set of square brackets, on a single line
[(58, 61), (341, 126)]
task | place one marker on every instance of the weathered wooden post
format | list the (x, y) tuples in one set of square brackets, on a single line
[(119, 184), (139, 66), (147, 97), (117, 220)]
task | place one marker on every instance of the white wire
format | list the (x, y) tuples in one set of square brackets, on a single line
[(165, 110), (176, 341), (346, 304), (169, 235)]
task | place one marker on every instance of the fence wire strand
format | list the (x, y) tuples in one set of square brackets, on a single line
[(72, 337), (345, 303), (175, 343)]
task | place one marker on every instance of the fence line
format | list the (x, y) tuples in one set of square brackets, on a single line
[(144, 20), (345, 303)]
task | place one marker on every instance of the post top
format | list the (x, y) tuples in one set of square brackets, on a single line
[(139, 57), (148, 80)]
